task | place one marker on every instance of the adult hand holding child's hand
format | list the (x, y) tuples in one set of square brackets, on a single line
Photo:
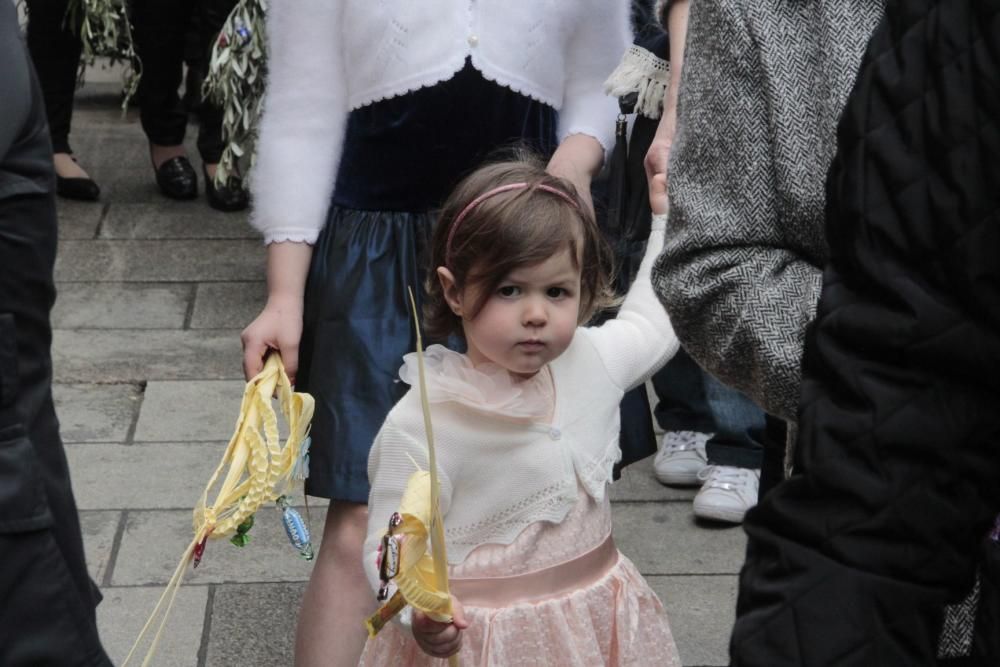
[(440, 640)]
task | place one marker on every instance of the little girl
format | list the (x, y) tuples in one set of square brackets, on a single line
[(526, 429)]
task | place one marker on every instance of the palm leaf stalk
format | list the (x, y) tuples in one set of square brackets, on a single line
[(235, 82), (105, 31)]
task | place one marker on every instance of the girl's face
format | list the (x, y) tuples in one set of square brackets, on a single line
[(528, 321)]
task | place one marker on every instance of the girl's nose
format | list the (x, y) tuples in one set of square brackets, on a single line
[(534, 314)]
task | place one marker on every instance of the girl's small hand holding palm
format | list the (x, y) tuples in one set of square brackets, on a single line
[(440, 640)]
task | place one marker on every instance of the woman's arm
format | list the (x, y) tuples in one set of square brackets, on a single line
[(739, 297), (303, 120), (301, 134), (578, 159), (279, 325), (658, 155), (587, 116)]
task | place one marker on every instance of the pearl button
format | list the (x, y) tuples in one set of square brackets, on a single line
[(555, 434), (473, 41)]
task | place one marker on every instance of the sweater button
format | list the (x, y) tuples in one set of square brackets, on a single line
[(473, 41), (555, 434)]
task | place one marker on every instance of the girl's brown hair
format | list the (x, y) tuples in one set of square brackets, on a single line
[(520, 227)]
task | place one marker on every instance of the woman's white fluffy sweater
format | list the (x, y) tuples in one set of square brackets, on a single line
[(327, 57)]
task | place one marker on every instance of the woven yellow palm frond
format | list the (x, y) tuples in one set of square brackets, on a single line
[(420, 575), (416, 578), (259, 470)]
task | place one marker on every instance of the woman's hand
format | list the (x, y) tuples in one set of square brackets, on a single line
[(279, 325), (440, 640), (577, 159)]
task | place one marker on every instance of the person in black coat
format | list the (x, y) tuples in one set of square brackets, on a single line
[(47, 613), (888, 518)]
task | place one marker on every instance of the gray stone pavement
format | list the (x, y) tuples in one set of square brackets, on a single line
[(152, 296)]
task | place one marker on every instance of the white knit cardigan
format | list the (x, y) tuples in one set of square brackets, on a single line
[(500, 475), (326, 57)]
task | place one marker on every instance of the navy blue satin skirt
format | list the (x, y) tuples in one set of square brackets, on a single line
[(356, 331), (401, 157)]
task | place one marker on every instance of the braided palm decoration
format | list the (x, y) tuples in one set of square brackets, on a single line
[(258, 470)]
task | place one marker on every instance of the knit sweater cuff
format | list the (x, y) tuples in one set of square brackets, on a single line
[(291, 234)]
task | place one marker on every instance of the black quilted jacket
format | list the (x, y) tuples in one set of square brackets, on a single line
[(853, 560)]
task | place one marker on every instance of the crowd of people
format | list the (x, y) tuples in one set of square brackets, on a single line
[(816, 308)]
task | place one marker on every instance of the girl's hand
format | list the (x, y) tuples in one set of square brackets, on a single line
[(278, 327), (658, 194), (440, 640)]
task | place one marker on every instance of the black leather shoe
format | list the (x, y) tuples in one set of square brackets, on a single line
[(230, 197), (177, 178), (82, 189)]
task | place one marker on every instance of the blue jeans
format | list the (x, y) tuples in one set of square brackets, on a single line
[(692, 400)]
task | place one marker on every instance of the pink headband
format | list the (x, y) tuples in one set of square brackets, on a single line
[(491, 193)]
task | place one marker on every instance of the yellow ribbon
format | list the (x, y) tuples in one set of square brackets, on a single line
[(259, 471)]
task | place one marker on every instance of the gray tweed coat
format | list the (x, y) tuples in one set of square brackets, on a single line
[(763, 86)]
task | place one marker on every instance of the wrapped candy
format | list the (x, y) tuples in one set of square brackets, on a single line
[(295, 529)]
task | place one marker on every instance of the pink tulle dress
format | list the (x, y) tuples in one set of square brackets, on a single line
[(558, 595), (616, 620)]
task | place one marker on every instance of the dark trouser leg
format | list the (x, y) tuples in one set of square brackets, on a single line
[(682, 404), (775, 443), (55, 51), (159, 42), (693, 400), (739, 427)]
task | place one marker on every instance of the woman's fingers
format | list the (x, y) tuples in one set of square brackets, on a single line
[(272, 330), (254, 349)]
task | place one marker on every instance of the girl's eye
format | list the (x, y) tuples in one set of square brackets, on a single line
[(509, 290), (556, 292)]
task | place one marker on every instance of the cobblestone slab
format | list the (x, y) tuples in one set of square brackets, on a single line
[(160, 261), (193, 410), (155, 540), (254, 624), (78, 220), (227, 305), (174, 220), (121, 306), (638, 483), (99, 530), (158, 476), (702, 611), (135, 356), (124, 611), (662, 538), (96, 412)]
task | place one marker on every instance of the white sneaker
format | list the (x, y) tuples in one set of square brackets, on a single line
[(727, 493), (681, 457)]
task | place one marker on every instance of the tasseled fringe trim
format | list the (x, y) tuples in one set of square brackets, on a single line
[(641, 72)]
